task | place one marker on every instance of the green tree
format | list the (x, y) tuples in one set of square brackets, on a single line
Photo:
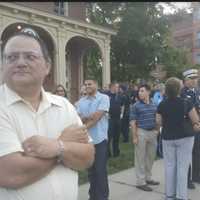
[(175, 61), (93, 64), (142, 31), (139, 40)]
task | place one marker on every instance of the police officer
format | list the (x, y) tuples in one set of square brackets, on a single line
[(115, 115), (196, 167), (188, 92)]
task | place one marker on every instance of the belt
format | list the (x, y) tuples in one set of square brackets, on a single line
[(148, 129)]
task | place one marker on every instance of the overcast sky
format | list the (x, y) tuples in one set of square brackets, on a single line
[(168, 9)]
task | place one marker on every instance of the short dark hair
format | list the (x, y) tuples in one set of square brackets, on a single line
[(32, 34), (172, 87), (91, 79), (112, 84), (146, 86)]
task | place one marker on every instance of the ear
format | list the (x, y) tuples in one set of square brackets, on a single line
[(48, 65)]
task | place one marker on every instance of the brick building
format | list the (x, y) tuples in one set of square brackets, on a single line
[(186, 33), (63, 27)]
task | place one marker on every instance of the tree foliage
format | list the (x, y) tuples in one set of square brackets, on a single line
[(92, 61), (142, 32)]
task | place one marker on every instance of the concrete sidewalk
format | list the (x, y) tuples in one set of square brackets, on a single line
[(122, 186)]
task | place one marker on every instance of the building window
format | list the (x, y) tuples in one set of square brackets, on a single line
[(197, 58), (197, 42), (197, 14), (61, 8)]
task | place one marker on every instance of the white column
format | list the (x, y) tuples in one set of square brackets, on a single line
[(60, 69), (1, 62), (106, 64)]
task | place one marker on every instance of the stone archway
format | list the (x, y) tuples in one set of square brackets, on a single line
[(45, 36), (76, 50)]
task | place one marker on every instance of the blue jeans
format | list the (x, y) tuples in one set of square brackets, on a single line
[(177, 158)]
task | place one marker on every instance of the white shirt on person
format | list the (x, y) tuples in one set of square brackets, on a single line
[(18, 121)]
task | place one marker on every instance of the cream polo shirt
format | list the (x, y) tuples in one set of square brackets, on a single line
[(18, 121)]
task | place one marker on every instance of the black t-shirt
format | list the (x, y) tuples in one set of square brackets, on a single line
[(173, 112)]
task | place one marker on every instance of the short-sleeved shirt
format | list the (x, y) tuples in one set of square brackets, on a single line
[(157, 98), (144, 114), (189, 94), (18, 121), (173, 113), (90, 104)]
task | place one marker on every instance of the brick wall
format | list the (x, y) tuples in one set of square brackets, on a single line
[(76, 10), (43, 6)]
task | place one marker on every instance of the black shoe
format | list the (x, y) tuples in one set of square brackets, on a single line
[(144, 188), (191, 185), (152, 182)]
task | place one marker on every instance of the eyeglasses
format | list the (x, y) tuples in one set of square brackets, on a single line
[(27, 56)]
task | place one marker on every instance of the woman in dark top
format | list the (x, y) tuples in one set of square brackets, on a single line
[(173, 114)]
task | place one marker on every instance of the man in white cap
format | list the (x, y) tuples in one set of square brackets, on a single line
[(188, 92)]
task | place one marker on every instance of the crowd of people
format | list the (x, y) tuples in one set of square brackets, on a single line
[(163, 121), (45, 139)]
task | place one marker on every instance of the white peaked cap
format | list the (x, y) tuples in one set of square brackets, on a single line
[(190, 73)]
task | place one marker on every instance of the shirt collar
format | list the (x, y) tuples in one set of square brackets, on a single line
[(150, 102), (94, 96), (47, 99)]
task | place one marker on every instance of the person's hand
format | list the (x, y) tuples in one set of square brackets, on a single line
[(135, 140), (40, 146), (75, 133), (196, 127)]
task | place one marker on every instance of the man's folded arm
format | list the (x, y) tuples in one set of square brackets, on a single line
[(18, 170)]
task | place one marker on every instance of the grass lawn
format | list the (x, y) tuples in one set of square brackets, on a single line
[(124, 161)]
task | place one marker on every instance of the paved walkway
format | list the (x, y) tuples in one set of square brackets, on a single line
[(122, 186)]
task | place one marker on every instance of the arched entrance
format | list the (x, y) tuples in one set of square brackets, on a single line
[(77, 51), (45, 36)]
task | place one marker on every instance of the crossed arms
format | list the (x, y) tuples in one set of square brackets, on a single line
[(20, 169)]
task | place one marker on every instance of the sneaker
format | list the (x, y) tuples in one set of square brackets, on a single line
[(191, 185), (152, 182), (144, 188)]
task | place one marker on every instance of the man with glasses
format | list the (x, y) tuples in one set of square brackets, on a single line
[(188, 92), (42, 139)]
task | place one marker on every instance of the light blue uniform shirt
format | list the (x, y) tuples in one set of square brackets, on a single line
[(88, 105)]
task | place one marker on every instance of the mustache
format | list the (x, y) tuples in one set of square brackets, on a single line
[(20, 71)]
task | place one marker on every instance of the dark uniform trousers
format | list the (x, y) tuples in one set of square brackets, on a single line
[(196, 159), (113, 136), (125, 128), (97, 174), (190, 94)]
